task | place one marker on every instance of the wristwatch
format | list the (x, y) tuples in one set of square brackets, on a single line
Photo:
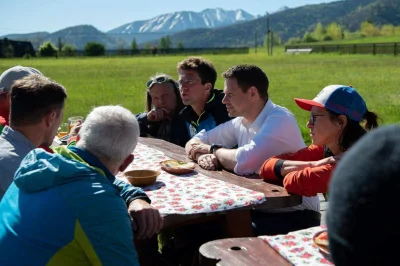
[(215, 147)]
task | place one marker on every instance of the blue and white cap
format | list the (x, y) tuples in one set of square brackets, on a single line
[(340, 99)]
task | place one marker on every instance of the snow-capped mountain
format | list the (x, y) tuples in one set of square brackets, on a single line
[(179, 21)]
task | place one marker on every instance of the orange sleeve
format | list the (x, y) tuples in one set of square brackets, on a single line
[(311, 153), (309, 181)]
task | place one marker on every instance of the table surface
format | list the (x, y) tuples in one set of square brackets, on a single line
[(240, 251), (276, 196)]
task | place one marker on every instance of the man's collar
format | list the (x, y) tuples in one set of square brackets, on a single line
[(92, 161), (261, 116), (15, 135), (189, 113)]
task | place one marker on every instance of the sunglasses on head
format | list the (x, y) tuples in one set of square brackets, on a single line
[(159, 80)]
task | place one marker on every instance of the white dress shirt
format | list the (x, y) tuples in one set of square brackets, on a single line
[(275, 131)]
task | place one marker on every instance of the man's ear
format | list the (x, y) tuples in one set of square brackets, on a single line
[(50, 118), (208, 86), (253, 92), (126, 162)]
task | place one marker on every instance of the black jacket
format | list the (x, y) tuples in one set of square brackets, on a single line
[(214, 113), (173, 130)]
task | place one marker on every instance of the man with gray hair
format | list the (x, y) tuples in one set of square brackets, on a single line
[(69, 212)]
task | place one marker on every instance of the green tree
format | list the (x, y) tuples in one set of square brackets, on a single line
[(94, 49), (68, 50), (60, 45), (134, 47), (47, 49), (319, 32), (163, 44), (308, 37), (335, 31), (167, 42), (387, 30), (368, 29), (180, 46)]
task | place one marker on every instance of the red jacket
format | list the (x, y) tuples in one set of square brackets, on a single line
[(307, 182), (4, 115)]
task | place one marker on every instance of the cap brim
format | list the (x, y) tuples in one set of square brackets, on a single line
[(307, 104)]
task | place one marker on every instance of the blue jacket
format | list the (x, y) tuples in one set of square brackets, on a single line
[(214, 113), (63, 209)]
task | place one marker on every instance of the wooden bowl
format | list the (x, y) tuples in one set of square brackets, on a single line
[(177, 167), (141, 177)]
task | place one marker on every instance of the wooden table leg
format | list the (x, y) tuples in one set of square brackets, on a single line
[(238, 224), (147, 249)]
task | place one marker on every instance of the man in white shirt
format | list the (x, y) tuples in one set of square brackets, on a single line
[(260, 130)]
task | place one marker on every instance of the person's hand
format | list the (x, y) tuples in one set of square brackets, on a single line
[(75, 129), (328, 160), (198, 149), (146, 220), (208, 162), (157, 115)]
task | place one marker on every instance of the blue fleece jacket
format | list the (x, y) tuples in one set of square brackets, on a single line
[(63, 210)]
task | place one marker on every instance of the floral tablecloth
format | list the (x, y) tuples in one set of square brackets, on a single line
[(298, 247), (190, 193)]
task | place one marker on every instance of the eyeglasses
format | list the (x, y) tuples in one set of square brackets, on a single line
[(160, 80), (187, 82), (313, 118)]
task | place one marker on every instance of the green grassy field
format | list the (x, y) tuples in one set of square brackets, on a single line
[(101, 81)]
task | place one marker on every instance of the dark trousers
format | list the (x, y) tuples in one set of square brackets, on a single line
[(282, 223)]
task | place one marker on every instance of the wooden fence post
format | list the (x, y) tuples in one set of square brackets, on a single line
[(395, 49), (354, 48), (374, 49)]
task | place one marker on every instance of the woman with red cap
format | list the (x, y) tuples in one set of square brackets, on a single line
[(338, 118)]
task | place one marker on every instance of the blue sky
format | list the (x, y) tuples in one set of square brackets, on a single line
[(25, 16)]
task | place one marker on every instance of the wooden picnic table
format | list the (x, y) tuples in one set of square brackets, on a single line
[(238, 221), (235, 222), (240, 251)]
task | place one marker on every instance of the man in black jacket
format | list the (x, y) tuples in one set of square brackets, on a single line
[(204, 108)]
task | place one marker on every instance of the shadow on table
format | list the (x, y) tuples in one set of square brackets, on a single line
[(157, 185)]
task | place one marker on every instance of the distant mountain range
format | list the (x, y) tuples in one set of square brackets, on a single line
[(223, 28), (294, 22), (142, 31)]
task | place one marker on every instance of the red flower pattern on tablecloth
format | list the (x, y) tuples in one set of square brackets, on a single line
[(192, 193), (300, 250)]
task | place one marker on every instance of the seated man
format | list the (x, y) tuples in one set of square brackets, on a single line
[(7, 78), (37, 107), (204, 109), (163, 104), (261, 130), (69, 212), (363, 226)]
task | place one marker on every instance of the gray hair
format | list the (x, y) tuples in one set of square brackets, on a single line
[(109, 132)]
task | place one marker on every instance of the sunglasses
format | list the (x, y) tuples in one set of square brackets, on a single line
[(160, 80), (313, 118)]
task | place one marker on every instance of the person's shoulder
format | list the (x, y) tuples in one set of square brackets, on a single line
[(280, 110)]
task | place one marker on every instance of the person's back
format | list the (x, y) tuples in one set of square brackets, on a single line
[(63, 216), (62, 208), (16, 146), (363, 226)]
